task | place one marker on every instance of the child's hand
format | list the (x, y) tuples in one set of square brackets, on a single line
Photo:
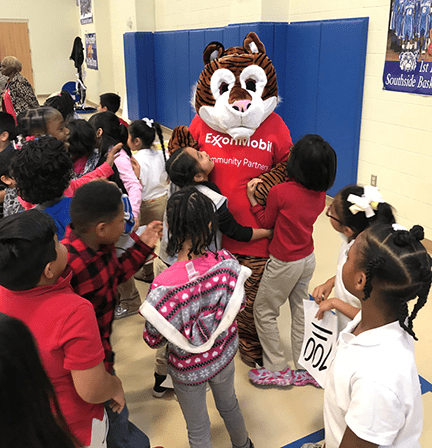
[(117, 403), (322, 292), (325, 305), (251, 187), (152, 234), (269, 234), (112, 154)]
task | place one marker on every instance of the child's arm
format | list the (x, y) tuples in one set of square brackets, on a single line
[(130, 181), (105, 170), (322, 292), (96, 385), (336, 304), (251, 188), (134, 257), (350, 440), (233, 229), (265, 216)]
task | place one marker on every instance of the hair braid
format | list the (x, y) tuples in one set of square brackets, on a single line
[(371, 268), (161, 139), (190, 215), (401, 267), (402, 313)]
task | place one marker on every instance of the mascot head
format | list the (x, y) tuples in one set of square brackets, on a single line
[(237, 90)]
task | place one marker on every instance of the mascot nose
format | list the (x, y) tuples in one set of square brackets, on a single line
[(241, 105)]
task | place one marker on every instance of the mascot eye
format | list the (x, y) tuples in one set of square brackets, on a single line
[(223, 88), (221, 82), (251, 85), (253, 78)]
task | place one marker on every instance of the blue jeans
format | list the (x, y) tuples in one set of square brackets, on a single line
[(122, 433)]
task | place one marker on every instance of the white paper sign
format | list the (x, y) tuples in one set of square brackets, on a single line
[(319, 344)]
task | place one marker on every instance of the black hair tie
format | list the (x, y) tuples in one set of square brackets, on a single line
[(417, 232)]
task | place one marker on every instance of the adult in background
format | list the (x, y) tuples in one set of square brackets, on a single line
[(18, 94)]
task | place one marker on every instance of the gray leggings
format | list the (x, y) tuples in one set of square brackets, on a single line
[(192, 401)]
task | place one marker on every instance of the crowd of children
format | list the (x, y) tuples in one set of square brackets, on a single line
[(71, 189)]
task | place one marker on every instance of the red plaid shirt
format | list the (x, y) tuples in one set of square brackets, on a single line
[(96, 276)]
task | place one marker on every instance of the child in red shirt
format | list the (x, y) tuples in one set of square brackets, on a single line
[(292, 209), (97, 216), (36, 289)]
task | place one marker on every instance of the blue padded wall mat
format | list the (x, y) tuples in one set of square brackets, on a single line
[(139, 63), (320, 67), (340, 93)]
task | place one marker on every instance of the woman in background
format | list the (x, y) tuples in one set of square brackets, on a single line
[(18, 94)]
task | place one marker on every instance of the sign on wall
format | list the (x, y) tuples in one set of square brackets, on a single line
[(90, 51), (86, 12), (408, 64)]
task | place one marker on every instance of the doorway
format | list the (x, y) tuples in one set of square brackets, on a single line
[(15, 42)]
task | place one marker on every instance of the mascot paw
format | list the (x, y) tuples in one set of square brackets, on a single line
[(181, 138), (276, 176)]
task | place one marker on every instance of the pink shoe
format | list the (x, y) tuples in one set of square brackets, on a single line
[(265, 377), (302, 377)]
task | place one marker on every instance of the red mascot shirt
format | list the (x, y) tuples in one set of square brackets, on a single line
[(237, 162)]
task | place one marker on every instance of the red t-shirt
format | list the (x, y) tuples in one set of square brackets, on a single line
[(65, 328), (292, 211), (124, 123), (236, 163)]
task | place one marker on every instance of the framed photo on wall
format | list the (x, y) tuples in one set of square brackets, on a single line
[(91, 51), (86, 11), (408, 62)]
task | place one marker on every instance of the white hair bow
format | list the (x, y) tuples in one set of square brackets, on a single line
[(148, 122), (397, 227), (367, 202)]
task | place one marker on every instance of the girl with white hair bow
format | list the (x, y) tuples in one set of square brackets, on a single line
[(353, 209)]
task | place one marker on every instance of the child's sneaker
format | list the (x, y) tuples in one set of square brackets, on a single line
[(158, 390), (302, 377), (265, 377), (312, 445)]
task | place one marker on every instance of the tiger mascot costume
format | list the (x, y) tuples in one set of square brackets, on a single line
[(235, 98)]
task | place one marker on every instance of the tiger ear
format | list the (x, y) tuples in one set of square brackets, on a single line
[(181, 138), (252, 44), (214, 50)]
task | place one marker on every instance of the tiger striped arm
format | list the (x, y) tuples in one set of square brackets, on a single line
[(275, 176), (181, 138)]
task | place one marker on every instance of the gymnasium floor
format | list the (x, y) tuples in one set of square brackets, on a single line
[(275, 417)]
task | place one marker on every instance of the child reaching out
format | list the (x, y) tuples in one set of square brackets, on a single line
[(109, 132), (192, 305), (372, 396), (35, 288), (42, 170), (152, 175), (97, 223), (353, 209), (186, 167), (292, 209)]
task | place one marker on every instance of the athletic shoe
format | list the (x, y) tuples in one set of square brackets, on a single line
[(312, 445), (158, 390), (121, 311), (265, 377), (302, 377)]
